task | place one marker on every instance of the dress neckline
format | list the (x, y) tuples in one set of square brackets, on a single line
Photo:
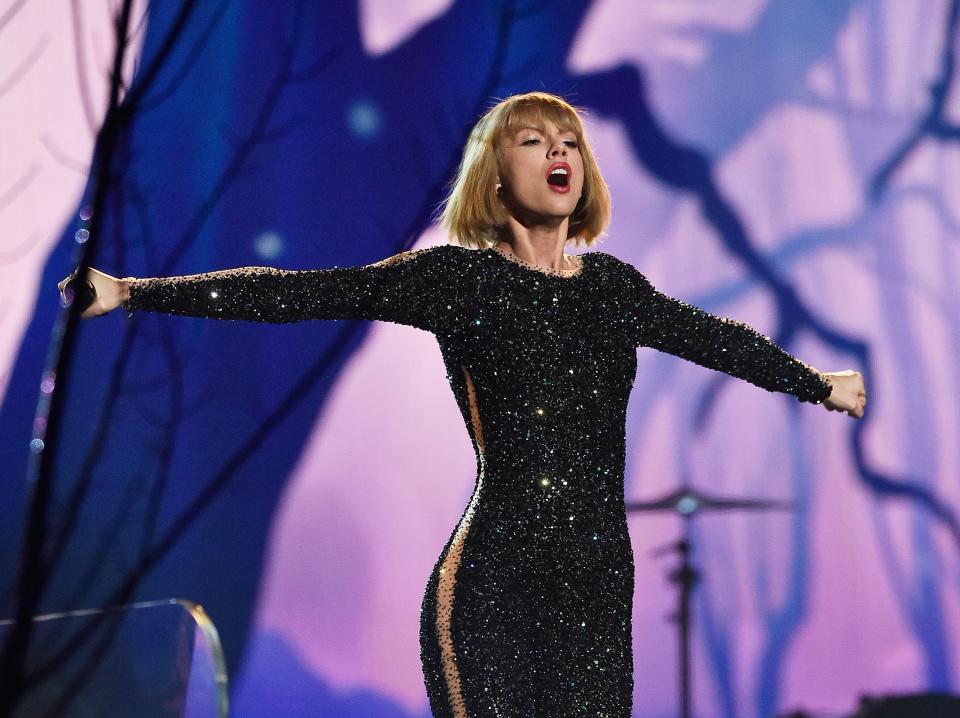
[(567, 274)]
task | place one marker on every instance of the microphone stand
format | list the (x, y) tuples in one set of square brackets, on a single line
[(687, 503), (685, 578)]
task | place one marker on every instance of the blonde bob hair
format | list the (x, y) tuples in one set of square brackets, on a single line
[(473, 214)]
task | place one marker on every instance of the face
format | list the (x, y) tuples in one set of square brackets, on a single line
[(541, 171)]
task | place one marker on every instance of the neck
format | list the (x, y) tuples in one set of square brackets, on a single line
[(540, 244)]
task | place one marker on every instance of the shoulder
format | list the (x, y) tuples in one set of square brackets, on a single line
[(438, 255), (619, 270), (440, 252), (453, 257), (443, 268), (609, 262)]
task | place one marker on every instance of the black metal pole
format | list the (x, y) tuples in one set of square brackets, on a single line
[(685, 577), (35, 566)]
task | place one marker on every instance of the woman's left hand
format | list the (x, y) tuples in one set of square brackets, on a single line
[(848, 395)]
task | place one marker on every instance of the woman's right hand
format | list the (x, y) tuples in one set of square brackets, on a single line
[(111, 292)]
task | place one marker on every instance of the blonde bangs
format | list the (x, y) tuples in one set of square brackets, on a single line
[(536, 113), (472, 213)]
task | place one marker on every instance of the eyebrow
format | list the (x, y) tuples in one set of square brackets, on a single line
[(543, 130)]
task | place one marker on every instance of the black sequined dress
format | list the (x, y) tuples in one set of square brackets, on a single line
[(528, 609)]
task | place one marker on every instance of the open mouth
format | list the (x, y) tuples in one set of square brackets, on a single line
[(558, 176)]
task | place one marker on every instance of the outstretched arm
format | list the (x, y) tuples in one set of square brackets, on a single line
[(735, 348), (413, 288)]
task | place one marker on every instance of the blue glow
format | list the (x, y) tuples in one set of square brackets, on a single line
[(268, 245), (364, 119), (687, 505)]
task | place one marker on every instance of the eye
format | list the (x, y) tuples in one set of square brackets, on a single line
[(570, 143), (531, 140)]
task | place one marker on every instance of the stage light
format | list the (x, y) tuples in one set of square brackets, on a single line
[(268, 245), (364, 119)]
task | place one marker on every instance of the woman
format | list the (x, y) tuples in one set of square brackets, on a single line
[(528, 609)]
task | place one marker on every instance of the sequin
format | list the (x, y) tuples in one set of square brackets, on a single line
[(527, 611)]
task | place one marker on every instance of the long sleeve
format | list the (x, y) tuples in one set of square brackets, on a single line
[(416, 288), (669, 325)]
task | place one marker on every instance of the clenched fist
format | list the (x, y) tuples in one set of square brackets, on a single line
[(848, 395), (110, 292)]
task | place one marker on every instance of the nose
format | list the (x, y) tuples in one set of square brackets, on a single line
[(558, 148)]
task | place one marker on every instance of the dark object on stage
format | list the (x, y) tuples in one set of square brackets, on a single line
[(923, 705), (84, 293)]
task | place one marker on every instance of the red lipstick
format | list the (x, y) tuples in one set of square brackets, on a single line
[(558, 177)]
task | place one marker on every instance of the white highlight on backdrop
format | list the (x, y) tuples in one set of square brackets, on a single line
[(384, 24)]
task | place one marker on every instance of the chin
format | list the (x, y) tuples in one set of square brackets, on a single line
[(565, 211), (549, 212)]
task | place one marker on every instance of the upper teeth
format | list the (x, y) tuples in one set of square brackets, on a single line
[(558, 171)]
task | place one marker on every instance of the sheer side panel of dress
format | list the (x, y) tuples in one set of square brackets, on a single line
[(448, 571)]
